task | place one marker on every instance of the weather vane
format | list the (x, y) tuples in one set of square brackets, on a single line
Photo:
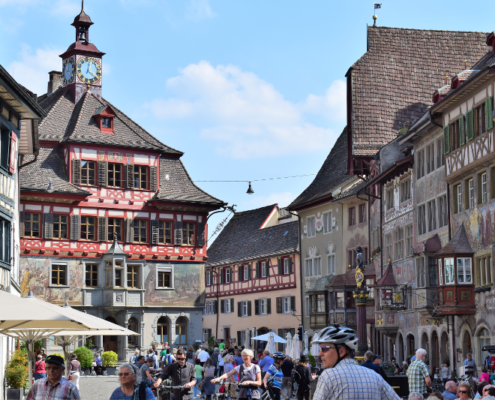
[(376, 7)]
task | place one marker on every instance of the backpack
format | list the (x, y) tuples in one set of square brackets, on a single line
[(214, 359), (167, 359)]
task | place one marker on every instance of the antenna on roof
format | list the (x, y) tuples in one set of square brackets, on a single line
[(465, 64), (376, 7), (446, 79)]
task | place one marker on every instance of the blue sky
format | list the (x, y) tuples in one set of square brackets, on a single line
[(247, 89)]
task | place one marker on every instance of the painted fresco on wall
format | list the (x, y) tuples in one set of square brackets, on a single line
[(319, 222), (188, 282), (479, 226), (35, 277), (405, 273)]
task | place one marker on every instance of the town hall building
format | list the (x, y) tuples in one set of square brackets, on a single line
[(111, 221)]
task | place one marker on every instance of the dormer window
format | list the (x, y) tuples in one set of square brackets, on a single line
[(104, 117)]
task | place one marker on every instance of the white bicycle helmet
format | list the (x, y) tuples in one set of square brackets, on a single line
[(337, 334)]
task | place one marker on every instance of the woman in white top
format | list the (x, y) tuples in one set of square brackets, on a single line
[(221, 363), (249, 376)]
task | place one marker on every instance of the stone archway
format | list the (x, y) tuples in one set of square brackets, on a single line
[(411, 346), (435, 352), (400, 349)]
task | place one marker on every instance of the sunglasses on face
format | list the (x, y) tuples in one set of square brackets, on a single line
[(181, 358), (124, 373), (463, 391), (324, 349)]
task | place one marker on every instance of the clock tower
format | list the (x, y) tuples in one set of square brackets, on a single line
[(82, 61)]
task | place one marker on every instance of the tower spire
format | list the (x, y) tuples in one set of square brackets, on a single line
[(82, 5)]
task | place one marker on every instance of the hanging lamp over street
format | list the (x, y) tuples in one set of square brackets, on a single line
[(250, 189)]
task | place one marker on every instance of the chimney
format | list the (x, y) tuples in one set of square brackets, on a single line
[(490, 41), (55, 81)]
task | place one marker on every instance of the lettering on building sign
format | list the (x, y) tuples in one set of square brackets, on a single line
[(399, 221)]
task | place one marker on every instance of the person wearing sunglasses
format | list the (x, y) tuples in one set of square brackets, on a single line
[(182, 373), (131, 386), (342, 377), (54, 386), (464, 391)]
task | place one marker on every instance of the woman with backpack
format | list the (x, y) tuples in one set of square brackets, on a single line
[(302, 375)]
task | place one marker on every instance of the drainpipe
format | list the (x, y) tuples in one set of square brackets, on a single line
[(381, 230)]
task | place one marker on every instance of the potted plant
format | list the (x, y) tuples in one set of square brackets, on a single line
[(85, 357), (109, 360), (17, 375)]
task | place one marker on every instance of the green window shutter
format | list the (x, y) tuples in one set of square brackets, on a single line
[(258, 269), (446, 140), (222, 276), (256, 307), (232, 304), (279, 305), (239, 338), (269, 306), (462, 131), (249, 271), (281, 345), (239, 309), (470, 125), (293, 303), (488, 113), (240, 269), (267, 268), (290, 266), (215, 307)]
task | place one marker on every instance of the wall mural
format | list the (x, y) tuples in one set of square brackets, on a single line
[(319, 222), (35, 276), (479, 226), (189, 286), (405, 273)]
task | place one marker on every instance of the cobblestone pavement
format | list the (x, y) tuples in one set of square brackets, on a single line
[(97, 388)]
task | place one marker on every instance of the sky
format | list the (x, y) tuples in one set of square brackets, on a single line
[(247, 89)]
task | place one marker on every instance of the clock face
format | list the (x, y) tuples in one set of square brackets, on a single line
[(68, 71), (88, 70)]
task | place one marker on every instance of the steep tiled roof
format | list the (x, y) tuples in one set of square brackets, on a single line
[(176, 184), (242, 239), (388, 278), (50, 164), (393, 82), (75, 123), (331, 174), (351, 192), (458, 245)]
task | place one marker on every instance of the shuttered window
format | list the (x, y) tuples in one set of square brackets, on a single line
[(88, 172), (489, 113), (140, 231), (470, 125), (114, 175), (178, 233), (75, 227), (60, 226), (76, 172), (446, 139), (102, 173), (114, 229), (32, 222), (88, 228), (154, 179), (165, 232), (140, 177)]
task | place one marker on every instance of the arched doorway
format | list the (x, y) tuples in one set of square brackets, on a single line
[(435, 353), (110, 343), (133, 326), (400, 350), (411, 347), (162, 327), (445, 349), (483, 338), (425, 343), (181, 331), (466, 345)]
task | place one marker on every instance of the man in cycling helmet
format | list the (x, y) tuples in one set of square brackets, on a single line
[(274, 376), (342, 378)]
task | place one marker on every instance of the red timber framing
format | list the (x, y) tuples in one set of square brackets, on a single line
[(274, 280)]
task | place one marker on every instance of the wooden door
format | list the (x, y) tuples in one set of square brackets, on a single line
[(110, 343)]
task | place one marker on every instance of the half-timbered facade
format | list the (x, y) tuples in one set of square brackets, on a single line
[(253, 277), (112, 222)]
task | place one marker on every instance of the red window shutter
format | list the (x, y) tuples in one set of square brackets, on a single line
[(13, 148)]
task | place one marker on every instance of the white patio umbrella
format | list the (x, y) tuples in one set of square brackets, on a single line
[(305, 340), (270, 345), (247, 339), (266, 336), (288, 346), (296, 348), (35, 319), (315, 348)]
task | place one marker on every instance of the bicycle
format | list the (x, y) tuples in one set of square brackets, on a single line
[(165, 392)]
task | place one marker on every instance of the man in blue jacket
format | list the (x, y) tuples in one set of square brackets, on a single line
[(368, 362)]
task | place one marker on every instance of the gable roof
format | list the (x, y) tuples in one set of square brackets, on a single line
[(331, 174), (242, 240), (69, 122), (393, 82), (49, 164), (176, 185)]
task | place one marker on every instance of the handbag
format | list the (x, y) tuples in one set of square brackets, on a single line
[(201, 385)]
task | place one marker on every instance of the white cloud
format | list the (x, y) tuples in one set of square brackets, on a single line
[(283, 199), (199, 9), (32, 69), (244, 114), (66, 8), (332, 105)]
